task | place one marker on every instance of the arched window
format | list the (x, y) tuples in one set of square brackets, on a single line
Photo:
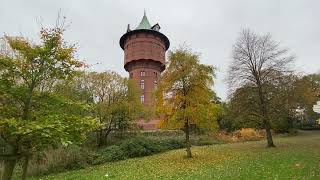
[(142, 73)]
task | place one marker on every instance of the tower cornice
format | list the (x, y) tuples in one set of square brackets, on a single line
[(157, 33)]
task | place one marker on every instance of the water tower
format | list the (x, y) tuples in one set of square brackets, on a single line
[(144, 56)]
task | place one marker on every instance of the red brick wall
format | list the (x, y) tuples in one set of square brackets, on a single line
[(150, 78), (145, 52), (144, 45)]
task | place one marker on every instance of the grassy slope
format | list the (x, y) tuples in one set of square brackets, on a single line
[(294, 158)]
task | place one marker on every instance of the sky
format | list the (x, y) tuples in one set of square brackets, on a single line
[(208, 27)]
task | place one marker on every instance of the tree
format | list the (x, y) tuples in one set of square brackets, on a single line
[(184, 94), (258, 60), (116, 102), (283, 104), (307, 89), (243, 106), (290, 100), (242, 109), (30, 119)]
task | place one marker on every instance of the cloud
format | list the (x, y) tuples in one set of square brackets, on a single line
[(210, 27)]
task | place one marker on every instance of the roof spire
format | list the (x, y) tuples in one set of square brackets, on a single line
[(144, 24)]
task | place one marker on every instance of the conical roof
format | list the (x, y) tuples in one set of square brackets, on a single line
[(144, 24)]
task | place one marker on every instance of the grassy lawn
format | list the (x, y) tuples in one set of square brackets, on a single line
[(295, 157)]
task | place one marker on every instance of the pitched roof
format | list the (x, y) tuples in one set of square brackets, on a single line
[(144, 24)]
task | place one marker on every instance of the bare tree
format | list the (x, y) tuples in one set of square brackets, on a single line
[(258, 61)]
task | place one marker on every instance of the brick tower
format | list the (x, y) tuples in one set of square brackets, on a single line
[(144, 57)]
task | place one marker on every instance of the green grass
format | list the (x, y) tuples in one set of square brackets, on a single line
[(295, 157)]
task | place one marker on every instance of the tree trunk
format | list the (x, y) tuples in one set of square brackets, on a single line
[(106, 136), (188, 145), (264, 112), (269, 134), (8, 169), (28, 103), (25, 168), (99, 138), (25, 113)]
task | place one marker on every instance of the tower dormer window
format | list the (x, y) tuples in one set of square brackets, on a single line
[(156, 27)]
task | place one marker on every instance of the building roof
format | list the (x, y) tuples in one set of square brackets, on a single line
[(144, 24)]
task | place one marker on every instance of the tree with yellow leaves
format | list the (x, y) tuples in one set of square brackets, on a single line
[(184, 94)]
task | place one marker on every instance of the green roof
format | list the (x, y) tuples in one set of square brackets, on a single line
[(144, 24)]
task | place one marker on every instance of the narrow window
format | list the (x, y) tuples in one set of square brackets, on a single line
[(142, 84), (142, 73), (155, 84), (142, 98)]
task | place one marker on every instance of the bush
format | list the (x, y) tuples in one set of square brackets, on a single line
[(248, 134), (77, 157), (136, 147), (61, 159), (244, 134), (111, 153), (169, 144), (205, 140), (162, 133), (140, 146)]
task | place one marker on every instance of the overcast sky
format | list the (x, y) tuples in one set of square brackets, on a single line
[(207, 26)]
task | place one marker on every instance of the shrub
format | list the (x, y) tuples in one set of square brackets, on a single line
[(61, 159), (248, 134), (169, 144), (76, 157), (244, 134), (140, 146), (111, 153), (136, 147), (163, 133), (204, 140)]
